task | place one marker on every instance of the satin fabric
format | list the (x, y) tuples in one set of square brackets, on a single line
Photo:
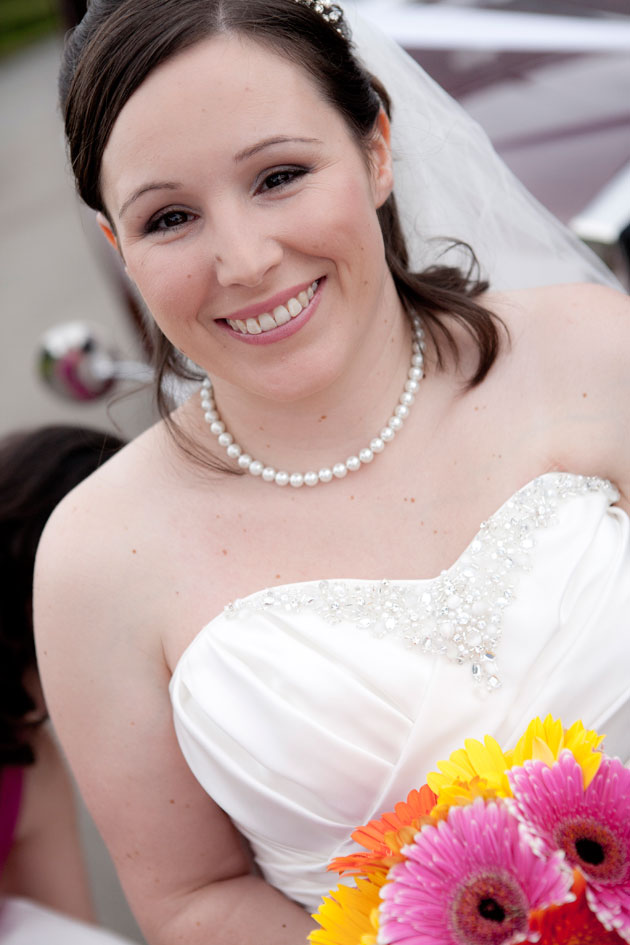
[(302, 730)]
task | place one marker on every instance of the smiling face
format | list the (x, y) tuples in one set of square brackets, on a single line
[(245, 211)]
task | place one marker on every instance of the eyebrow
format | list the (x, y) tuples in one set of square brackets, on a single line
[(269, 143), (146, 188), (238, 158)]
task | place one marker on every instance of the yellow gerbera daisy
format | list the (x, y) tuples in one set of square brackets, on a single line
[(478, 768), (481, 768), (349, 914), (543, 741)]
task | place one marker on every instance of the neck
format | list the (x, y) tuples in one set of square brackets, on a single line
[(327, 425)]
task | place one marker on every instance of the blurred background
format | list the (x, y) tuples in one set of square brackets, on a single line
[(548, 79)]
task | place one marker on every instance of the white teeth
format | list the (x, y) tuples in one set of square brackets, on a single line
[(294, 307), (280, 315)]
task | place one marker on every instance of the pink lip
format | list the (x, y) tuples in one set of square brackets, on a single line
[(283, 331)]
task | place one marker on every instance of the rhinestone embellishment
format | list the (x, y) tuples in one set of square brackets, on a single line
[(330, 12), (459, 614)]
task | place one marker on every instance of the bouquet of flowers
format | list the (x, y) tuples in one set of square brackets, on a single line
[(528, 845)]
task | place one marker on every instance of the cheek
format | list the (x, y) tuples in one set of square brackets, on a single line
[(170, 282), (344, 226)]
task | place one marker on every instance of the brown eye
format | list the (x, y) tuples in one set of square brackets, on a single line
[(169, 220), (281, 177)]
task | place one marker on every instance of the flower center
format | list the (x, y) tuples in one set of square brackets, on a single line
[(488, 909), (491, 909), (596, 848), (590, 851)]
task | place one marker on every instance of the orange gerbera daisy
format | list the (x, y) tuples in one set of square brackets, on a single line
[(573, 923), (385, 838)]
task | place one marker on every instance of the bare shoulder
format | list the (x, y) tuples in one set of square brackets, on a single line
[(91, 522), (566, 318), (86, 593), (569, 351)]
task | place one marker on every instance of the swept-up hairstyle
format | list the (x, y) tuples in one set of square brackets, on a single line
[(120, 42)]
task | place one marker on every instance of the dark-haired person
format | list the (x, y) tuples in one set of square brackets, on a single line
[(296, 553), (41, 861)]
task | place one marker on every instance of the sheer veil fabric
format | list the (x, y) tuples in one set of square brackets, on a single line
[(450, 183)]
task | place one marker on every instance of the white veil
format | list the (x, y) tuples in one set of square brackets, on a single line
[(451, 183)]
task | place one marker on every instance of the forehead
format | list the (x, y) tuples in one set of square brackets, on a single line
[(218, 96)]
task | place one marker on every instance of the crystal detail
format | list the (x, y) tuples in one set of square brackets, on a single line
[(459, 614), (330, 12)]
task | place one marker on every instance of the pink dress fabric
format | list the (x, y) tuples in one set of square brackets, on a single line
[(10, 797)]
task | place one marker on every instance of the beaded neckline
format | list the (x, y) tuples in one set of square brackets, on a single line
[(459, 614)]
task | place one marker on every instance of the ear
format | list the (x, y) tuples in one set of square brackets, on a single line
[(381, 160), (106, 228)]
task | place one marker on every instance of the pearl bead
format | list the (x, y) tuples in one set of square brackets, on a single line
[(366, 455)]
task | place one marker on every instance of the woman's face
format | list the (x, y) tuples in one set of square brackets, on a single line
[(245, 212)]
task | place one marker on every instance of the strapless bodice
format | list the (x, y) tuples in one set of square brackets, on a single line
[(307, 709)]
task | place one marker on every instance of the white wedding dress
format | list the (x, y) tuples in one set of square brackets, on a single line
[(308, 709)]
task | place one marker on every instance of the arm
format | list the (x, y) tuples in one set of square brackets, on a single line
[(46, 861), (182, 864)]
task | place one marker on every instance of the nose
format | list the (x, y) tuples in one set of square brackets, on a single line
[(244, 251)]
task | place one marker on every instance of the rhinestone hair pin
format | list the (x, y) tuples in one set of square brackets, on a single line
[(330, 12)]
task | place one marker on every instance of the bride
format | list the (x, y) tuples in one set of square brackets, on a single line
[(265, 619)]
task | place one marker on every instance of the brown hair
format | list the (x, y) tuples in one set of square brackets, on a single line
[(37, 469), (120, 42)]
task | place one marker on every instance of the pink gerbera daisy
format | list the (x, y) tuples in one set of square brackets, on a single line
[(471, 880), (591, 825)]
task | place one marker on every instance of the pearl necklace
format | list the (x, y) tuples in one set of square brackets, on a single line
[(339, 470)]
